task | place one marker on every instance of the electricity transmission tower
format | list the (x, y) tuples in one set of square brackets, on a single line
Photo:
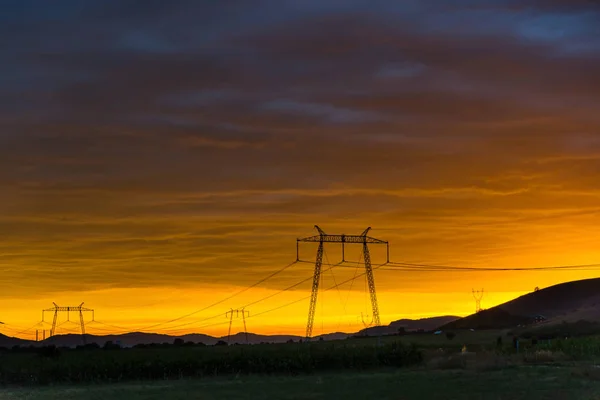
[(365, 323), (78, 309), (477, 295), (237, 314), (322, 238)]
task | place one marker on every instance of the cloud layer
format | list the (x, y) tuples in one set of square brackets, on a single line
[(182, 143)]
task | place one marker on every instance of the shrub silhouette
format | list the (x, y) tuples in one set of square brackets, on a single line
[(49, 352), (111, 346), (159, 363)]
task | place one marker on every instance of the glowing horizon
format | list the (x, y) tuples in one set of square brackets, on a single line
[(180, 148), (338, 311)]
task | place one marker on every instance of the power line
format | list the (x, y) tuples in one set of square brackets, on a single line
[(399, 266), (28, 329), (460, 268), (392, 266), (220, 301), (331, 266), (337, 285), (307, 297), (201, 327), (395, 268), (202, 309)]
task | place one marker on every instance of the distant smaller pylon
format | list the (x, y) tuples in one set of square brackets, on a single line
[(77, 309), (477, 295), (229, 314)]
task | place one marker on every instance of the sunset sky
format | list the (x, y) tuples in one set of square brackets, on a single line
[(157, 156)]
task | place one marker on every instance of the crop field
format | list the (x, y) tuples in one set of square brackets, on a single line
[(50, 365), (467, 365), (44, 366)]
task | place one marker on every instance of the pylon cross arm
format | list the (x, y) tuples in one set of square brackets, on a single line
[(359, 239)]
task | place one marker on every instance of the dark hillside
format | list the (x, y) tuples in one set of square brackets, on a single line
[(494, 318), (9, 342), (557, 300), (570, 302)]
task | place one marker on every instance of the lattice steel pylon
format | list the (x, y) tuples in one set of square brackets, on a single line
[(229, 314), (477, 295), (78, 309), (322, 238)]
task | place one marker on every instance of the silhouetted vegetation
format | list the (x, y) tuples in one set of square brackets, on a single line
[(111, 346), (89, 346), (49, 352), (112, 363)]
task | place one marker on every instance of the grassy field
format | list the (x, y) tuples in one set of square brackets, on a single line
[(530, 383)]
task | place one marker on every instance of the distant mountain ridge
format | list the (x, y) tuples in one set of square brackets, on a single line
[(570, 302), (138, 338)]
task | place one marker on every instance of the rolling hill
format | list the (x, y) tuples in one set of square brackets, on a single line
[(494, 318), (569, 302), (426, 324), (409, 325), (8, 342)]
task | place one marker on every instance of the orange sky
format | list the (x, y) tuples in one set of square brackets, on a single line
[(167, 156), (401, 293)]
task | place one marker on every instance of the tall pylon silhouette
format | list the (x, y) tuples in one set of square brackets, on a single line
[(362, 239)]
